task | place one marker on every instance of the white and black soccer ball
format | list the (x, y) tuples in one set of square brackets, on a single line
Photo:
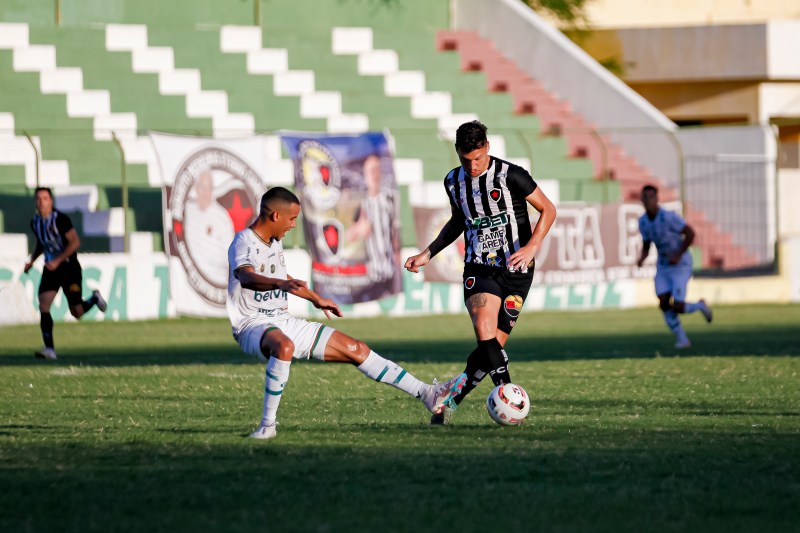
[(508, 404)]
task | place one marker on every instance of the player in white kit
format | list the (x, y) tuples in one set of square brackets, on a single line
[(672, 237), (258, 289)]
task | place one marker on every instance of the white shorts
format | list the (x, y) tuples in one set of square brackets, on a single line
[(673, 279), (309, 338)]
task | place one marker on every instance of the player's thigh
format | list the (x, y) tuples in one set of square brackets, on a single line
[(308, 338), (48, 288), (275, 343), (679, 281), (663, 282), (72, 283), (515, 287)]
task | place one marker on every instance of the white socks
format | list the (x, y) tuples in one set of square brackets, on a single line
[(276, 377), (385, 371)]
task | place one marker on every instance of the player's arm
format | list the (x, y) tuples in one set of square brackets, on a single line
[(547, 215), (249, 279), (73, 245), (253, 281), (328, 306), (645, 253), (452, 229), (688, 239), (37, 251)]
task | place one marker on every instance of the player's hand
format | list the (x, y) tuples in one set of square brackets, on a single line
[(520, 259), (27, 268), (415, 262), (639, 263), (52, 265), (292, 285), (674, 258), (328, 307)]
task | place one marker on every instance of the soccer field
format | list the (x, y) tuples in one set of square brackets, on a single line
[(141, 427)]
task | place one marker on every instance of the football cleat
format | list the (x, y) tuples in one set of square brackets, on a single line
[(442, 417), (45, 353), (101, 302), (683, 343), (265, 431), (706, 310), (439, 393)]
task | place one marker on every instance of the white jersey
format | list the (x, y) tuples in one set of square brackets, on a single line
[(665, 232), (247, 307)]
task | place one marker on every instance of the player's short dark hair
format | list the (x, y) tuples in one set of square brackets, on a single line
[(39, 189), (650, 188), (275, 196), (471, 136)]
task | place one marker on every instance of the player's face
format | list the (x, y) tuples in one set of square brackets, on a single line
[(287, 219), (475, 162), (44, 203), (650, 201)]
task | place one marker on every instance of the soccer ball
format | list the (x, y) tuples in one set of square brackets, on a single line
[(508, 404)]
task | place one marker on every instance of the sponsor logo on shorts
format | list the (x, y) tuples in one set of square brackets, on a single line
[(513, 305), (75, 288), (469, 282)]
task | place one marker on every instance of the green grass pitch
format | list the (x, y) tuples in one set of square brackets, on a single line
[(141, 427)]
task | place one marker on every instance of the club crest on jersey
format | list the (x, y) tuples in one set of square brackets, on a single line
[(513, 305), (321, 174), (495, 194), (469, 282)]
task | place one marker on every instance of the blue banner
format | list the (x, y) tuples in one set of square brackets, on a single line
[(350, 202)]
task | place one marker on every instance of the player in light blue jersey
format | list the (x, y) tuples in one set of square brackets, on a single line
[(258, 289), (672, 237)]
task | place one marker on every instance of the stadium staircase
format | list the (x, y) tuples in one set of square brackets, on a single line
[(350, 69)]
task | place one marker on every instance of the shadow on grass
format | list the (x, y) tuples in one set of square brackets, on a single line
[(525, 345), (586, 479)]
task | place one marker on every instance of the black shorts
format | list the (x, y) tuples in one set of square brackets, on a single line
[(511, 287), (69, 277)]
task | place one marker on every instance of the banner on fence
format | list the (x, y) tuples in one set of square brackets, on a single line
[(212, 189), (350, 203), (588, 243)]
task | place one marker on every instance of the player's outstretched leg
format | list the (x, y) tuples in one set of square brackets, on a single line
[(700, 305)]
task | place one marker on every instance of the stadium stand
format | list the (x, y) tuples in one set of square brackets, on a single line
[(199, 68)]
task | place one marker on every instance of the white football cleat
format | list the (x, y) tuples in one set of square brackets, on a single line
[(706, 310), (265, 432), (437, 394), (46, 353), (101, 302)]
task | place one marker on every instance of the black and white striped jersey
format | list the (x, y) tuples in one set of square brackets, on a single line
[(495, 211), (51, 233)]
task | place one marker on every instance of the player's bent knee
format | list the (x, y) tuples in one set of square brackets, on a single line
[(284, 351)]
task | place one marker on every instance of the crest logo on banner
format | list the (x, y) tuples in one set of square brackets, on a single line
[(350, 202), (322, 178)]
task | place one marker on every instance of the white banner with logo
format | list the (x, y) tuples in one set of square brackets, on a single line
[(212, 189)]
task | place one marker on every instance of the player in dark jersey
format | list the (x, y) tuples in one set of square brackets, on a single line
[(489, 200), (57, 239)]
